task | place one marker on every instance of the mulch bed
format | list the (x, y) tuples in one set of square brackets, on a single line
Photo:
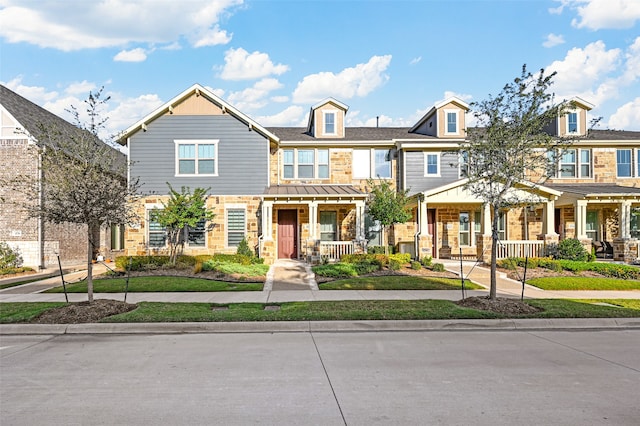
[(84, 312), (500, 305)]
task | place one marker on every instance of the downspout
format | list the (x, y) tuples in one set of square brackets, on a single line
[(40, 216), (416, 236)]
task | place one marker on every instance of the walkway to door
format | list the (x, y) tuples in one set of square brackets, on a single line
[(289, 274)]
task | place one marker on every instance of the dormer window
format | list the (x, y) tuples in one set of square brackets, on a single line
[(329, 123), (572, 122), (451, 124)]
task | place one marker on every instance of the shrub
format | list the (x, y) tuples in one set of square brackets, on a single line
[(140, 263), (9, 257), (380, 249), (416, 266), (427, 261), (394, 265), (237, 258), (438, 267), (401, 258), (250, 269), (572, 249), (336, 270), (243, 248), (379, 259)]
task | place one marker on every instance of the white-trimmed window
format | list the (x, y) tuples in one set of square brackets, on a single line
[(236, 225), (572, 122), (157, 234), (451, 118), (624, 163), (463, 161), (592, 225), (196, 157), (371, 163), (196, 236), (571, 163), (463, 234), (305, 163), (328, 226), (432, 164), (502, 226), (329, 119)]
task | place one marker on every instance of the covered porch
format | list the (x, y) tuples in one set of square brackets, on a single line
[(314, 223)]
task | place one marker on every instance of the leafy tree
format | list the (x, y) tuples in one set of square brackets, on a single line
[(387, 206), (510, 145), (243, 248), (183, 211), (83, 180), (9, 257)]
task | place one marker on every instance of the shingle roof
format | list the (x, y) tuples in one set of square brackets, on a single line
[(351, 134), (595, 189), (314, 190), (613, 135)]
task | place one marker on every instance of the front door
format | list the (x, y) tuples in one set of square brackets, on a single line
[(287, 234)]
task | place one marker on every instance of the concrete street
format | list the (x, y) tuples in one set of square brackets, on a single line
[(323, 378)]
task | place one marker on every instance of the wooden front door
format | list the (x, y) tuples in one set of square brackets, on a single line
[(287, 234), (431, 223)]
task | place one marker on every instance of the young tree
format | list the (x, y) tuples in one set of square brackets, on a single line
[(510, 146), (387, 206), (183, 210), (83, 180)]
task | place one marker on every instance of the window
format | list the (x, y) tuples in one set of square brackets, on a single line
[(635, 222), (157, 233), (571, 163), (502, 229), (328, 225), (305, 164), (464, 164), (196, 157), (464, 229), (374, 231), (572, 122), (371, 163), (623, 161), (329, 123), (432, 164), (236, 227), (452, 121), (477, 222), (196, 236), (592, 225), (117, 237)]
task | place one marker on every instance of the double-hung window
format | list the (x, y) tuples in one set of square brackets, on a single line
[(432, 164), (328, 226), (196, 157), (592, 225), (464, 234), (157, 235), (371, 163), (571, 163), (452, 122), (305, 164), (196, 236), (572, 122), (329, 123), (624, 163), (236, 226), (568, 163)]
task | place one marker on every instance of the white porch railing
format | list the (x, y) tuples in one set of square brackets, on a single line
[(523, 248), (333, 250)]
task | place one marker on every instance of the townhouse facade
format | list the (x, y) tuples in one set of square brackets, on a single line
[(40, 242), (301, 192)]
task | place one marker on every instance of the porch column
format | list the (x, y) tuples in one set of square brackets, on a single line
[(580, 208), (313, 220), (422, 216), (625, 219), (360, 231), (549, 223), (485, 242), (267, 220), (486, 220)]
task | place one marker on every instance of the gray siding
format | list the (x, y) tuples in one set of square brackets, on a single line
[(414, 169), (242, 155)]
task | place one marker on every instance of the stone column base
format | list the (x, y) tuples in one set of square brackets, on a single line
[(625, 250), (425, 249), (483, 247)]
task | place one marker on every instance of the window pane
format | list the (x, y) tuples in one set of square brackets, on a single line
[(206, 151), (206, 167), (623, 157), (361, 163), (464, 229), (196, 235), (186, 151), (288, 172), (323, 156), (451, 122), (635, 222), (288, 156), (573, 122), (305, 172), (187, 167), (477, 221), (383, 163), (305, 156), (432, 164), (328, 226), (157, 233), (568, 170), (323, 172), (568, 163), (569, 156), (329, 122), (235, 226), (585, 163)]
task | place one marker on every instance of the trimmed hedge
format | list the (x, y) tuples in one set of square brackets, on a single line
[(613, 270), (336, 270), (141, 263)]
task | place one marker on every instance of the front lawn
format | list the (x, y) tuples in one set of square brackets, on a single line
[(158, 284), (583, 283), (397, 282), (334, 311)]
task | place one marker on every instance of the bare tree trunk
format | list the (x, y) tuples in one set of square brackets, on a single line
[(494, 254), (90, 263)]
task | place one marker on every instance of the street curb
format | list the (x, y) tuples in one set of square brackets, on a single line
[(530, 324)]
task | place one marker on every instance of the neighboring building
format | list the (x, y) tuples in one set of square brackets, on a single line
[(302, 192), (39, 242)]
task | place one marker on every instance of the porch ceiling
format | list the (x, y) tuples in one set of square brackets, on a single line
[(595, 193), (314, 192), (455, 193)]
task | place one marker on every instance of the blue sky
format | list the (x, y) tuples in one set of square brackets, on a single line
[(274, 59)]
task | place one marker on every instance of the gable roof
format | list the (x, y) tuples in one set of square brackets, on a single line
[(200, 91), (453, 99), (329, 100), (584, 104)]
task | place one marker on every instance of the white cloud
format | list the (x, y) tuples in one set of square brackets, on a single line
[(254, 97), (133, 55), (553, 40), (626, 117), (602, 14), (279, 99), (415, 60), (242, 65), (76, 25), (291, 116), (80, 88), (463, 96), (348, 83), (129, 110)]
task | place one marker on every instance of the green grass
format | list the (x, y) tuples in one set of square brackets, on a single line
[(13, 312), (158, 284), (27, 280), (583, 283), (397, 282), (16, 312)]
